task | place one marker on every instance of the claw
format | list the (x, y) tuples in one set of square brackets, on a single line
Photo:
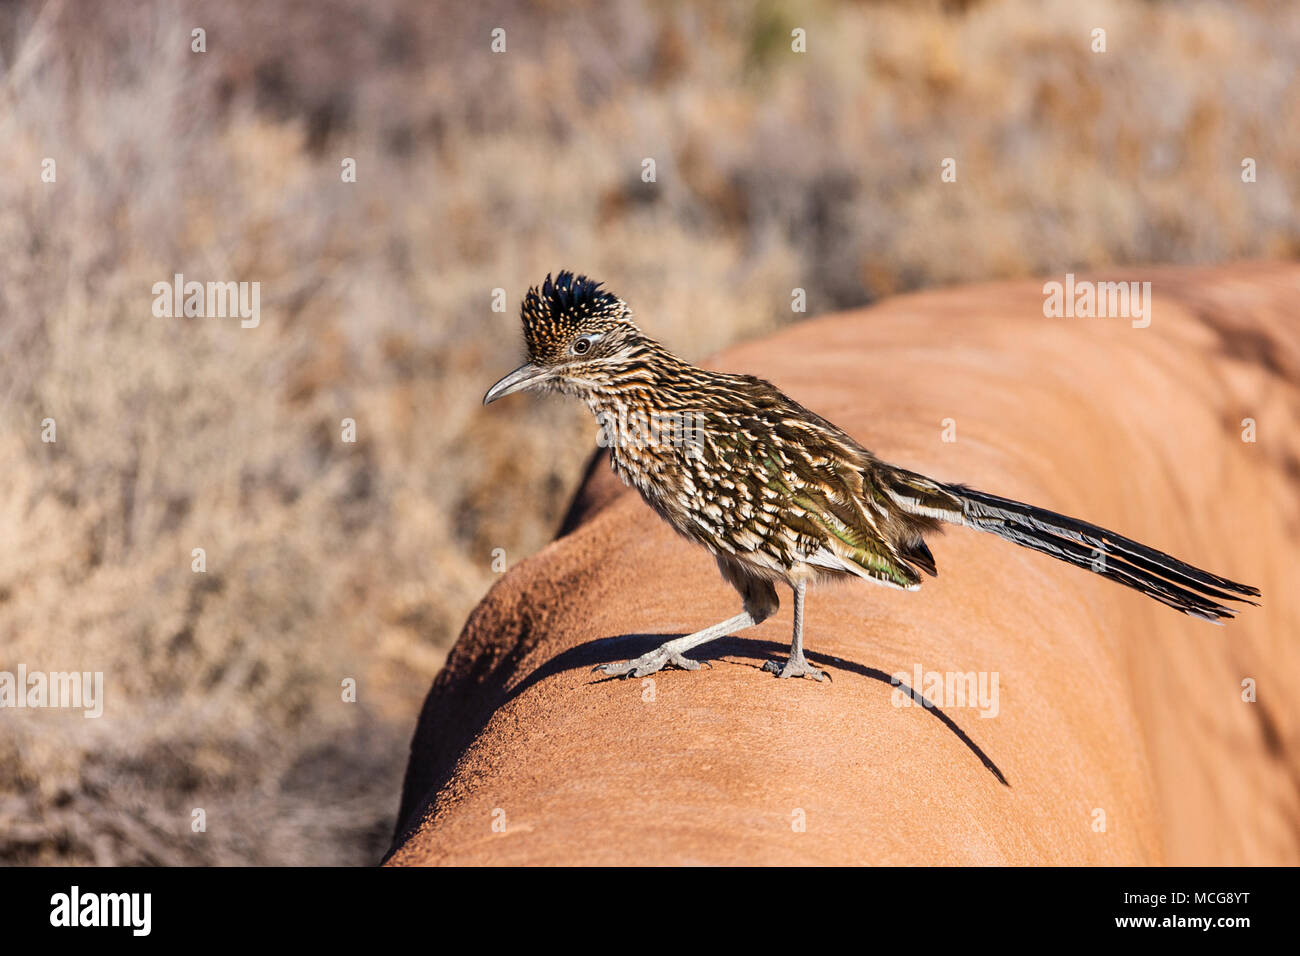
[(796, 668), (647, 664)]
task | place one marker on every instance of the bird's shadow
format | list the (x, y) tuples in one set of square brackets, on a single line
[(608, 650)]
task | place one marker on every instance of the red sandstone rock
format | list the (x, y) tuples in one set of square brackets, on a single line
[(1107, 701)]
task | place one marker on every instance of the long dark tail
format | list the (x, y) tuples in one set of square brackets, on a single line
[(1154, 573)]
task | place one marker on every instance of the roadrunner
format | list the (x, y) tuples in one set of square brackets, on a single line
[(777, 493)]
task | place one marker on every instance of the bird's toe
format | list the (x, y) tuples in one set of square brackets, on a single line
[(648, 664), (796, 668)]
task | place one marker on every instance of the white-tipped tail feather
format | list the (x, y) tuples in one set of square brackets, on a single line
[(1154, 573)]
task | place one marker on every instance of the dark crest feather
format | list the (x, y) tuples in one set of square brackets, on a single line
[(560, 306), (570, 293)]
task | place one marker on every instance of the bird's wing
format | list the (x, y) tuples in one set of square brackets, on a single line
[(829, 496), (795, 491)]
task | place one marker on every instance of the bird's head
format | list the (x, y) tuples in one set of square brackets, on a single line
[(578, 336)]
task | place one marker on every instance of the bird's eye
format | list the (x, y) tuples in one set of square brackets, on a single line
[(583, 345)]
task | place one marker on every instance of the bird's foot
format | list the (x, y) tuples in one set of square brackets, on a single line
[(649, 663), (796, 667)]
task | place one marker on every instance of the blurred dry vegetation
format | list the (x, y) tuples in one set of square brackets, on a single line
[(329, 560)]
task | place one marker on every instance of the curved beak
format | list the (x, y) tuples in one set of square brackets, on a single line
[(525, 376)]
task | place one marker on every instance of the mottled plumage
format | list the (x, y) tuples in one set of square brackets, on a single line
[(779, 494)]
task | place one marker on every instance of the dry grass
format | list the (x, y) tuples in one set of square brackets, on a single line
[(329, 560)]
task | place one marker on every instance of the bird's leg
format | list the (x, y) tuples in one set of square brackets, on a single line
[(797, 665), (757, 595), (671, 652)]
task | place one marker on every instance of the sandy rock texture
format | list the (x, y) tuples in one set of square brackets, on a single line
[(1120, 734)]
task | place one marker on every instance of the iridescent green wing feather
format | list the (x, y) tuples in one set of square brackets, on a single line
[(827, 505)]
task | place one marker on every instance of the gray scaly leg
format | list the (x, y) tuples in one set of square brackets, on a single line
[(671, 652), (797, 665)]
